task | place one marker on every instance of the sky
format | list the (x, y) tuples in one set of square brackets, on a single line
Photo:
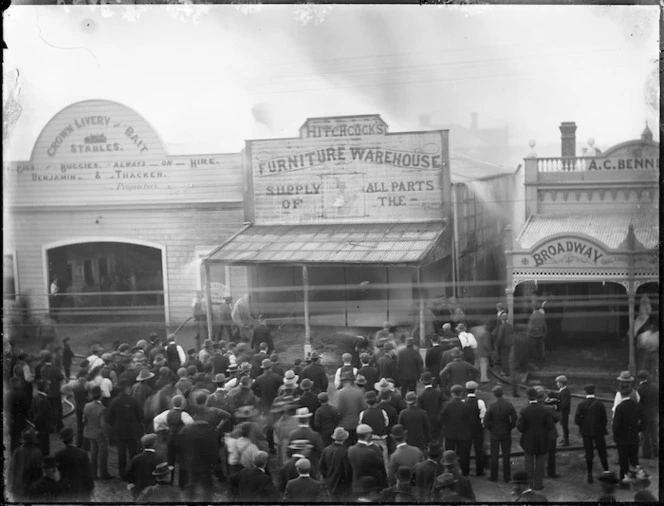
[(209, 77)]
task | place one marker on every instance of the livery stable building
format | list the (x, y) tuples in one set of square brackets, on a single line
[(351, 225), (122, 224), (590, 243)]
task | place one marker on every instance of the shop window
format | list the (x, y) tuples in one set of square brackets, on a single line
[(88, 274)]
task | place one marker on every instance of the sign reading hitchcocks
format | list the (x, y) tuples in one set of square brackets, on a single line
[(350, 169), (101, 152)]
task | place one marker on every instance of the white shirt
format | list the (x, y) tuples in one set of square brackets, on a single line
[(467, 339), (385, 417), (337, 376), (95, 361), (181, 354), (159, 421), (54, 288), (619, 398)]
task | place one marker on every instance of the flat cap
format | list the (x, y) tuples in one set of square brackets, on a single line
[(562, 378), (471, 385), (363, 428)]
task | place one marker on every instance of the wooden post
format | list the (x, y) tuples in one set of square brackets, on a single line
[(208, 299), (510, 305), (421, 296), (307, 328), (631, 295)]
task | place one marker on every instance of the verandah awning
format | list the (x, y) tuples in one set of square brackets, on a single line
[(362, 244)]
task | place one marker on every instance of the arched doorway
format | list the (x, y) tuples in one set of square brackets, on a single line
[(106, 280)]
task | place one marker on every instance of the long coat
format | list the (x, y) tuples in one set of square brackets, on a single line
[(25, 469), (591, 418), (409, 364), (367, 461), (303, 489), (425, 474), (75, 473), (535, 423), (125, 416), (455, 420), (431, 400), (316, 373), (253, 485), (432, 360), (140, 470), (335, 468), (416, 422), (627, 422)]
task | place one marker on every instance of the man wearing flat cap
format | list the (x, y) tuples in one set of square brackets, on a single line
[(535, 423), (499, 420), (335, 467), (304, 488), (522, 492), (649, 393), (409, 367), (366, 461), (592, 420), (455, 421), (139, 473)]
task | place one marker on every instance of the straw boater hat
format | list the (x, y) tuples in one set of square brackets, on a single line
[(303, 413), (245, 412), (232, 368), (300, 444), (283, 404), (144, 375)]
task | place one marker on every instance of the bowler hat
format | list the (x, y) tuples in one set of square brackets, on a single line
[(497, 390), (306, 384), (609, 477), (520, 477), (427, 378), (410, 398), (643, 375), (389, 345), (625, 376), (360, 380), (162, 469), (245, 367), (398, 432), (340, 434), (450, 457), (444, 480), (219, 378), (590, 389), (266, 363), (274, 358)]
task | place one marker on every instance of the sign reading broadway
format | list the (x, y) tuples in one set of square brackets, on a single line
[(350, 178)]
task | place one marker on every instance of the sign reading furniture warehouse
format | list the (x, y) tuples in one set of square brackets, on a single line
[(349, 169), (102, 152)]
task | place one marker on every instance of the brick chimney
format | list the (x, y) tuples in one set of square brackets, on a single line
[(568, 138), (473, 121)]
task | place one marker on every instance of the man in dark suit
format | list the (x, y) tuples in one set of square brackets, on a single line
[(303, 488), (432, 359), (404, 454), (199, 450), (75, 470), (431, 399), (564, 397), (416, 423), (457, 372), (47, 488), (366, 461), (304, 431), (370, 373), (503, 340), (326, 418), (262, 334), (41, 415), (535, 423), (125, 417), (409, 367), (426, 472), (499, 420), (316, 373), (18, 409), (254, 484), (308, 399), (335, 467), (54, 377), (139, 473), (455, 420), (478, 409), (591, 418), (387, 364), (627, 424), (266, 386), (257, 361), (649, 400)]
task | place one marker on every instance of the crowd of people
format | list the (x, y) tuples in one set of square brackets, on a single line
[(386, 426)]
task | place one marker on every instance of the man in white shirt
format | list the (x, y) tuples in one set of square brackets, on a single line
[(347, 359), (95, 359), (468, 343), (477, 427)]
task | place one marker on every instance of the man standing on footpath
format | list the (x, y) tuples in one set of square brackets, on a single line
[(456, 421), (499, 420), (535, 424), (592, 420), (565, 398)]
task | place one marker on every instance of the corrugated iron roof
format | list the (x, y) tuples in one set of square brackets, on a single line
[(363, 243), (608, 228)]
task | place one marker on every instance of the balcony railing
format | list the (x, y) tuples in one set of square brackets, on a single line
[(562, 164)]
